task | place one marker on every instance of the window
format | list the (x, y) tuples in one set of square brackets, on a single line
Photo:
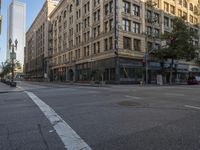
[(71, 8), (127, 43), (96, 2), (111, 6), (149, 30), (195, 20), (136, 10), (191, 18), (84, 51), (191, 7), (126, 25), (136, 27), (111, 24), (65, 13), (106, 26), (94, 48), (157, 17), (111, 43), (77, 2), (166, 7), (184, 15), (172, 9), (172, 23), (98, 47), (166, 21), (126, 7), (179, 13), (106, 9), (149, 15), (137, 44), (106, 44), (156, 32)]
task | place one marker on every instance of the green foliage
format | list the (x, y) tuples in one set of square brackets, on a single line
[(179, 42), (7, 68)]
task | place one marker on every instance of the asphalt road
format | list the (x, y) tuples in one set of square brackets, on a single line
[(125, 117)]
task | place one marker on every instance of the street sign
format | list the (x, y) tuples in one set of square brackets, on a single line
[(12, 55)]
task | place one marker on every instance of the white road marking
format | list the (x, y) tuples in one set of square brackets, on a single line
[(133, 97), (70, 139), (193, 107)]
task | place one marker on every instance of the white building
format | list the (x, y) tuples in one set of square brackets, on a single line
[(17, 28)]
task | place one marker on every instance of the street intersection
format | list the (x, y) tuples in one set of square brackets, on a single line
[(52, 116)]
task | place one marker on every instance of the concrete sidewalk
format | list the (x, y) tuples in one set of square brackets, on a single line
[(7, 88)]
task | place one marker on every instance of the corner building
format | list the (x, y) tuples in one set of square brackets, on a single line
[(107, 39)]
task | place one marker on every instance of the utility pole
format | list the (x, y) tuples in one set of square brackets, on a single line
[(12, 47)]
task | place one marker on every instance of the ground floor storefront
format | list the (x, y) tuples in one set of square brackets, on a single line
[(132, 71)]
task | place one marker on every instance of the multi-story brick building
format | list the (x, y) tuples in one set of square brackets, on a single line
[(107, 39), (36, 51)]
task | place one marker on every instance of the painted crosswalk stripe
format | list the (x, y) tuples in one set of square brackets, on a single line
[(193, 107), (70, 139)]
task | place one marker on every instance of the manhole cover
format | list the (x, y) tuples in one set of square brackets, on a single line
[(129, 103)]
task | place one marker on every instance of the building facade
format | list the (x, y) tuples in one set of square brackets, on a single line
[(107, 39), (37, 37), (17, 28), (0, 18)]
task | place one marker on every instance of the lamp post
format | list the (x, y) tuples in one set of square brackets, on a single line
[(12, 47)]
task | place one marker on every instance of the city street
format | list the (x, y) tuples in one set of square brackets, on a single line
[(48, 116)]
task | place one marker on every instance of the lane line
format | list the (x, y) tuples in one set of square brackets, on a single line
[(70, 139), (193, 107)]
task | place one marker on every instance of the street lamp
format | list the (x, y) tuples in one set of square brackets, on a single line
[(12, 47)]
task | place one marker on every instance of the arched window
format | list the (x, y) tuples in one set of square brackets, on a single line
[(65, 13), (70, 8), (191, 7), (60, 19)]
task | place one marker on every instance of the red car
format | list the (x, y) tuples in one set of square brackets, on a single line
[(192, 81)]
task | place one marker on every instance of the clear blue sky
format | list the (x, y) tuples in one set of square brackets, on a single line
[(32, 9)]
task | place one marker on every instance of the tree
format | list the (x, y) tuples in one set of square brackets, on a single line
[(179, 44), (7, 68)]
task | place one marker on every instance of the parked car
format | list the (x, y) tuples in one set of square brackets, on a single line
[(192, 80)]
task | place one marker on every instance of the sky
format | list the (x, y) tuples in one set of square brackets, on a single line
[(32, 9)]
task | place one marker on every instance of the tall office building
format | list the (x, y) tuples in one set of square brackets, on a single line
[(17, 28), (0, 18)]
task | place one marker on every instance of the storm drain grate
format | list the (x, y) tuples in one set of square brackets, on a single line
[(129, 103)]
